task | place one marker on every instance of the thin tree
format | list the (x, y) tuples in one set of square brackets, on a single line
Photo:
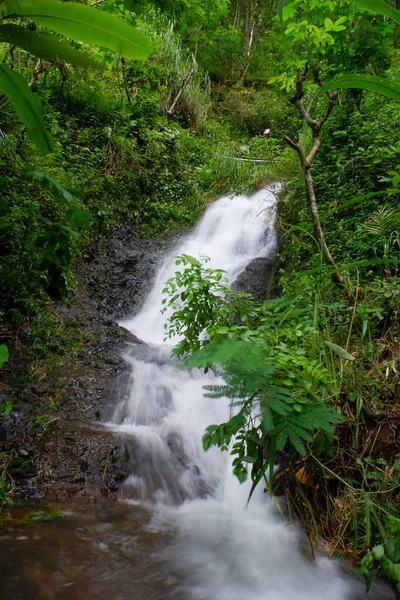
[(306, 159)]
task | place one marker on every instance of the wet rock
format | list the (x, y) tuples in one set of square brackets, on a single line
[(61, 491), (59, 452), (120, 273), (62, 401), (129, 337), (259, 278), (84, 459)]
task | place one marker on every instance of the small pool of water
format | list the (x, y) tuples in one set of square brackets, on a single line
[(102, 552), (124, 551)]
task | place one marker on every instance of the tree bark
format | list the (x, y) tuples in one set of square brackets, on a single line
[(256, 20), (307, 160)]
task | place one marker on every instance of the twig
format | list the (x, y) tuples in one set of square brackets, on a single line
[(185, 82)]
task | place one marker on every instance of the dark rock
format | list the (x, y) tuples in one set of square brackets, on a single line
[(259, 277), (120, 273), (62, 491), (63, 446), (77, 454), (129, 337)]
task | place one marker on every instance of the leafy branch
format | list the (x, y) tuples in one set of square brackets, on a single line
[(76, 21)]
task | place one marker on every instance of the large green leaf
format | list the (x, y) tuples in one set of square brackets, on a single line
[(379, 6), (46, 45), (365, 82), (4, 356), (82, 23), (27, 106)]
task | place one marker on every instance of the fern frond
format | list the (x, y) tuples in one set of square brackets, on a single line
[(383, 222), (218, 391), (339, 351), (296, 440)]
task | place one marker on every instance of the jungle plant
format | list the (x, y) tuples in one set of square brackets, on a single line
[(4, 355), (39, 241), (6, 481), (279, 394), (76, 21), (384, 557), (285, 378), (6, 405), (383, 226), (202, 304)]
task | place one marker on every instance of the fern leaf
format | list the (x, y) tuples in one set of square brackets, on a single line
[(339, 351), (267, 420), (296, 441), (301, 431), (281, 438), (281, 408)]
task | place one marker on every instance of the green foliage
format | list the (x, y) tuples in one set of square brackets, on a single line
[(49, 339), (41, 422), (299, 380), (384, 557), (6, 481), (44, 45), (281, 392), (82, 23), (198, 298), (365, 82), (384, 226), (6, 405), (4, 355), (379, 6), (339, 351), (27, 107), (71, 20), (38, 235)]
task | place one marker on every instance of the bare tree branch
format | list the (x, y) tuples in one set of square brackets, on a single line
[(185, 82), (306, 161), (292, 144)]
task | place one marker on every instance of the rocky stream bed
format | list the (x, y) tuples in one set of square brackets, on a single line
[(62, 452)]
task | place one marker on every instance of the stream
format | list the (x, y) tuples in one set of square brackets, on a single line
[(182, 530)]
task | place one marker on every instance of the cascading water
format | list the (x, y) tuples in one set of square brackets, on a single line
[(190, 535), (220, 549)]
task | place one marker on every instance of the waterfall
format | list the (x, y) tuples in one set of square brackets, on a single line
[(220, 549)]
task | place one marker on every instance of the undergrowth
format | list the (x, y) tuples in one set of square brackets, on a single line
[(312, 380)]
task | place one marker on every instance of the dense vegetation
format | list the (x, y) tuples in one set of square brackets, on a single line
[(319, 365)]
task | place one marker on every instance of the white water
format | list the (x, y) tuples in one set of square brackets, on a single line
[(221, 551)]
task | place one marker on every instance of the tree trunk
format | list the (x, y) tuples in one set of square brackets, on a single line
[(306, 162)]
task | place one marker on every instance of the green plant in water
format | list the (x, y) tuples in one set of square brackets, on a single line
[(279, 394)]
